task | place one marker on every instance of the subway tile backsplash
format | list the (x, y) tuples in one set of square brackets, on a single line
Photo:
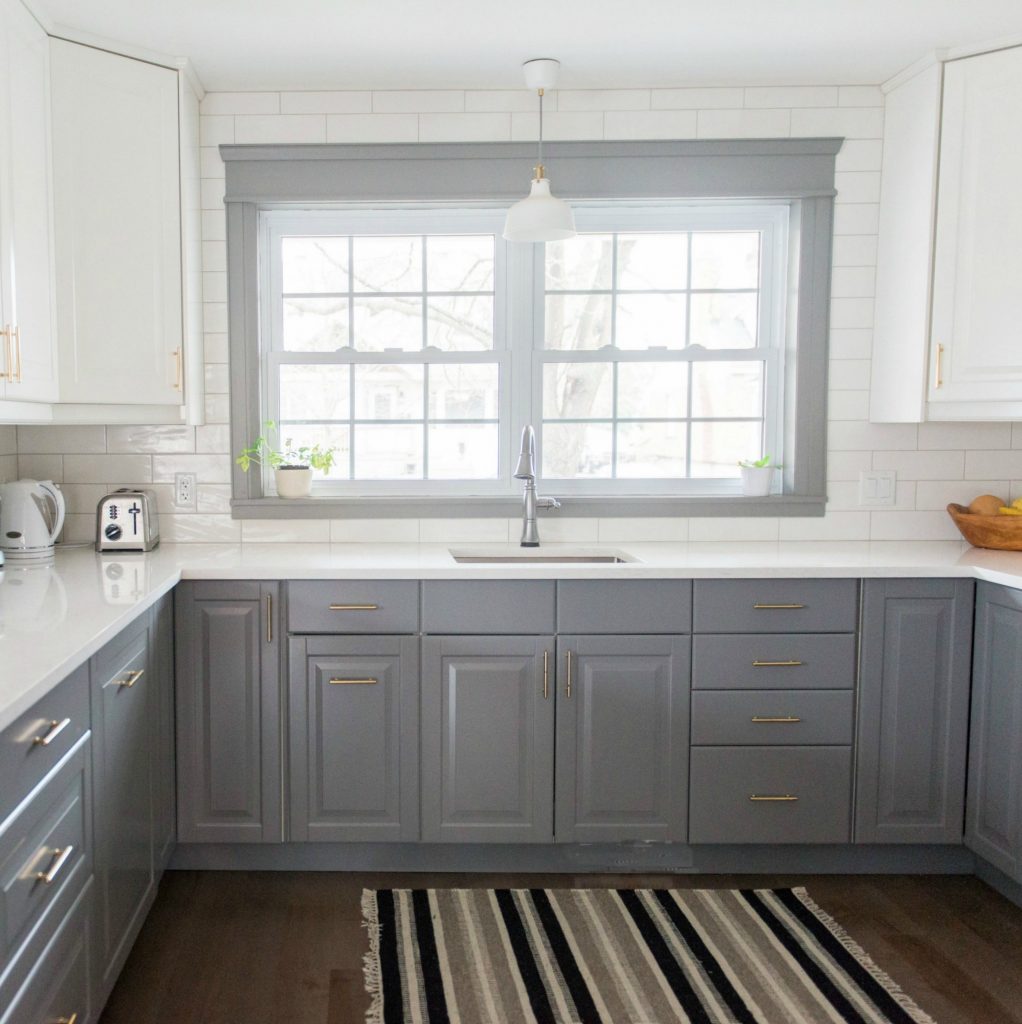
[(936, 462)]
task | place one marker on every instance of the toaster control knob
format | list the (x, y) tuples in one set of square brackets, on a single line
[(113, 532)]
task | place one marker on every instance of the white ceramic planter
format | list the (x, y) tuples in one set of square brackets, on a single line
[(757, 480), (293, 483)]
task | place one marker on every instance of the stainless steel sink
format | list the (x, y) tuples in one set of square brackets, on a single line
[(551, 556)]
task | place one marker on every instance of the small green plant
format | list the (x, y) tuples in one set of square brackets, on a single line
[(757, 463), (263, 453)]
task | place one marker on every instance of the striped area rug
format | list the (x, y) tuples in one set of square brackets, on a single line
[(618, 956)]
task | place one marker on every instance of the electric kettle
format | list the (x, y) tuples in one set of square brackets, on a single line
[(31, 518)]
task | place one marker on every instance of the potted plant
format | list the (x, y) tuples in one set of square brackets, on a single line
[(757, 476), (292, 466)]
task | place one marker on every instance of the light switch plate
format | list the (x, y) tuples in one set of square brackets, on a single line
[(878, 488)]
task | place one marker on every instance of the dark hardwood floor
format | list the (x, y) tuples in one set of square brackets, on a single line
[(286, 948)]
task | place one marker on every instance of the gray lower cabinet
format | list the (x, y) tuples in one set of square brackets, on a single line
[(622, 738), (487, 739), (994, 817), (161, 668), (228, 712), (354, 738)]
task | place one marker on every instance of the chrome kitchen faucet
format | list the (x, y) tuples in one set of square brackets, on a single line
[(530, 502)]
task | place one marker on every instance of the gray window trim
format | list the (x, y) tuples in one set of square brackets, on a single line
[(800, 171)]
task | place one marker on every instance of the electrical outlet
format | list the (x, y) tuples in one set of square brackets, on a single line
[(184, 490), (878, 488)]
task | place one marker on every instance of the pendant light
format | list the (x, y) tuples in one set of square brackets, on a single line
[(540, 217)]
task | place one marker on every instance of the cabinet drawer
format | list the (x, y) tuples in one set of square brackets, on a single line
[(781, 661), (44, 849), (34, 743), (772, 717), (490, 607), (724, 781), (776, 606), (624, 606), (353, 606)]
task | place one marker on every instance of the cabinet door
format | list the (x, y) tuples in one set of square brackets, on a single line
[(913, 711), (977, 304), (622, 738), (994, 819), (354, 723), (121, 712), (161, 662), (228, 712), (487, 739), (116, 182)]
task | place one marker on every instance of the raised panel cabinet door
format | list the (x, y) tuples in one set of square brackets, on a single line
[(354, 750), (117, 219), (994, 819), (488, 739), (161, 667), (913, 710), (622, 738), (228, 712)]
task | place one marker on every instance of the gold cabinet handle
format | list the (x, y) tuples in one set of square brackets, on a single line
[(55, 729), (787, 798), (567, 689), (354, 607), (353, 682), (60, 858), (546, 675), (775, 719), (269, 618), (73, 1019), (131, 679), (775, 664), (179, 370), (16, 377), (8, 371), (939, 382), (775, 607)]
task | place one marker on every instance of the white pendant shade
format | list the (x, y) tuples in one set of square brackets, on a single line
[(540, 217)]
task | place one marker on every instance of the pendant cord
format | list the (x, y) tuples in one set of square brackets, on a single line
[(540, 173)]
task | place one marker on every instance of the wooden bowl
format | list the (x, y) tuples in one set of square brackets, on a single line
[(1003, 533)]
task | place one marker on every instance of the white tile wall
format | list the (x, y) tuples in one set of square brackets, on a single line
[(936, 463)]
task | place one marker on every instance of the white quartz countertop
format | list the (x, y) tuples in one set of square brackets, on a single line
[(54, 617)]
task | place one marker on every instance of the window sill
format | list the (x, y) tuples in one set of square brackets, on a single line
[(510, 508)]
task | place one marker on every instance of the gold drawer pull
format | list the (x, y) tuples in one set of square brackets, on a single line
[(55, 729), (761, 607), (353, 682), (775, 664), (16, 377), (764, 719), (354, 607), (132, 678), (786, 799), (179, 370), (73, 1019), (59, 860)]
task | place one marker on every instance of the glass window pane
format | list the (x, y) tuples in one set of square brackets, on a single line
[(718, 446), (388, 323), (315, 325), (388, 263), (313, 392), (577, 321), (463, 391), (645, 321), (651, 390), (652, 450), (463, 451), (390, 451), (652, 261), (578, 391), (459, 263), (315, 264), (581, 263), (726, 259), (576, 450), (724, 320), (727, 389), (460, 323), (327, 435), (388, 391)]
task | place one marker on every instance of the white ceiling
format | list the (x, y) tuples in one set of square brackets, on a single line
[(345, 44)]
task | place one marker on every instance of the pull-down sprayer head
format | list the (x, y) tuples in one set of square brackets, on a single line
[(527, 458)]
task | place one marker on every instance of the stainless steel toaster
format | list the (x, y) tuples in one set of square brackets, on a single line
[(127, 520)]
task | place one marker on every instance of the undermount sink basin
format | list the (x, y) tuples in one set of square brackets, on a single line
[(541, 556)]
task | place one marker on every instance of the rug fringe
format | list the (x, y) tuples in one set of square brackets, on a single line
[(895, 991), (371, 960)]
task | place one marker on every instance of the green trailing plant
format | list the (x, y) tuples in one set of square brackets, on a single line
[(263, 453), (758, 463)]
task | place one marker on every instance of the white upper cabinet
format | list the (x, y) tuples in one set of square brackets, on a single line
[(947, 342), (28, 368), (117, 192)]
